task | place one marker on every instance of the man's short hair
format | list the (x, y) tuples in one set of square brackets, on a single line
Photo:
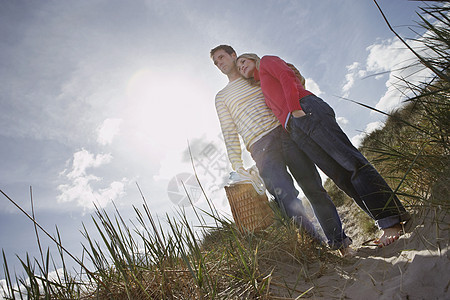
[(226, 48)]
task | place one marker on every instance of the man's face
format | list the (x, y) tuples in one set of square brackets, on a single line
[(224, 61)]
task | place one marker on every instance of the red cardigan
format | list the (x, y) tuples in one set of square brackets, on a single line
[(281, 88)]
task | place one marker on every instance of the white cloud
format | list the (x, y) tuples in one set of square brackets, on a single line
[(385, 56), (3, 287), (393, 57), (357, 139), (350, 77), (108, 130), (53, 276), (342, 121), (83, 160), (354, 73), (80, 187), (374, 126), (354, 66), (313, 87), (362, 73)]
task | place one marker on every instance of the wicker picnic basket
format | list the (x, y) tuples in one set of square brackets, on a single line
[(251, 211)]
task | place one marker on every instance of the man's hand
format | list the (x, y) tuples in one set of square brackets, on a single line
[(298, 113), (241, 171)]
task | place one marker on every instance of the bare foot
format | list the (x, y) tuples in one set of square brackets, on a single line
[(347, 252), (390, 235)]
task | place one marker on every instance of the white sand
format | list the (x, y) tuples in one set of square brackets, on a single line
[(417, 266)]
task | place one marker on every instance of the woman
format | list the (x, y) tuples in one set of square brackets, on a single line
[(312, 125)]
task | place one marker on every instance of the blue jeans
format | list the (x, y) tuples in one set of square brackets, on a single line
[(271, 154), (321, 138), (307, 177)]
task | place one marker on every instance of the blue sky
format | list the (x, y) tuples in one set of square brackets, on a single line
[(100, 95)]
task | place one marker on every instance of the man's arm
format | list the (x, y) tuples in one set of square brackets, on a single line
[(230, 135)]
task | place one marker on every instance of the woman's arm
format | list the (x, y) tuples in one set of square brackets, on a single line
[(298, 74), (280, 71)]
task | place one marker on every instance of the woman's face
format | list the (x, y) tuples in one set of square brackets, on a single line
[(246, 67)]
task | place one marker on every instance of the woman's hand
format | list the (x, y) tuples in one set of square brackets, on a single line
[(298, 113)]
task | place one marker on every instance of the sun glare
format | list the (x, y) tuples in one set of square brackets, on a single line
[(165, 109)]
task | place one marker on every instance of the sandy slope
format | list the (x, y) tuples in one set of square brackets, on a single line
[(417, 266)]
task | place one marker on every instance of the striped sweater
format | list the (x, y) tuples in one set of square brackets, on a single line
[(242, 111)]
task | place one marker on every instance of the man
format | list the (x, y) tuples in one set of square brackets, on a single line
[(242, 111)]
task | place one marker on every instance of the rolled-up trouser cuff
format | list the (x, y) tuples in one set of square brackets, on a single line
[(392, 220)]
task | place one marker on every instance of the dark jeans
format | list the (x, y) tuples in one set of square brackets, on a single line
[(271, 154), (321, 138)]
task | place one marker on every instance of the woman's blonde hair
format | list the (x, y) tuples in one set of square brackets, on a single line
[(251, 56), (256, 59)]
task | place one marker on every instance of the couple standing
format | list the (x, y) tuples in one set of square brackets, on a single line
[(284, 125)]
